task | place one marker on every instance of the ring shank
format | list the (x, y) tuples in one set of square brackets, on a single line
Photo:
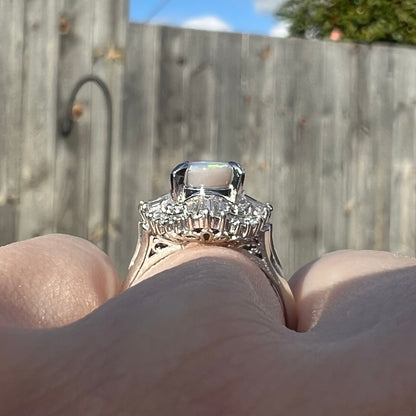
[(152, 249)]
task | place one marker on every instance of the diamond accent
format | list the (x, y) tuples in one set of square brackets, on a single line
[(205, 217)]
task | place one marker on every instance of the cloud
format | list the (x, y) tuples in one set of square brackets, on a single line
[(207, 23), (280, 30), (268, 6)]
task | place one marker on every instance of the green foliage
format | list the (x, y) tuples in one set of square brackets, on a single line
[(358, 20)]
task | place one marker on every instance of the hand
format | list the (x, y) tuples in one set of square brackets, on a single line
[(204, 335)]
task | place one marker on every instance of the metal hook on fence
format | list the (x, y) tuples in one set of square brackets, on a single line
[(66, 128)]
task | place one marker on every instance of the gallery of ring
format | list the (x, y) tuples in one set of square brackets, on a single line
[(207, 205)]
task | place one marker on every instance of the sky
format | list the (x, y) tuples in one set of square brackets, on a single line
[(247, 16)]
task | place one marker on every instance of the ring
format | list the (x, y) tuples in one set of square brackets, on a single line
[(207, 205)]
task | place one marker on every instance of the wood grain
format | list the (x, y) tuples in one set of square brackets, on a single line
[(326, 131), (12, 15)]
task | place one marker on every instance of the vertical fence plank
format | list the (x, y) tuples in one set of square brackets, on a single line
[(361, 169), (73, 152), (228, 99), (139, 134), (39, 118), (11, 78), (371, 128), (108, 54), (261, 135), (382, 137), (337, 100), (118, 40), (281, 176), (403, 155), (169, 144), (305, 102), (200, 133), (255, 134)]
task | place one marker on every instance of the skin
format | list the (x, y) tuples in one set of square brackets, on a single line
[(203, 335)]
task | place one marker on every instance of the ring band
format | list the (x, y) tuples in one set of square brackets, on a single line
[(207, 205)]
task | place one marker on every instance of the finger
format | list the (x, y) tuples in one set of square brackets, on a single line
[(257, 286), (193, 339), (356, 288), (204, 334), (359, 311), (53, 280)]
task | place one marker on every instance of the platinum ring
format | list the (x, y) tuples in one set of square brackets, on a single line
[(207, 205)]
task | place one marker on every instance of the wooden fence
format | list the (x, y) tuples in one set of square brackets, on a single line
[(326, 131)]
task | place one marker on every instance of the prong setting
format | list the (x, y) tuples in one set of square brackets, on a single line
[(220, 213)]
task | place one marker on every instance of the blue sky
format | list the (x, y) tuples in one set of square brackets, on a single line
[(248, 16)]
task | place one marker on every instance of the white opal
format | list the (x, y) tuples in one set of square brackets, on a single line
[(209, 175)]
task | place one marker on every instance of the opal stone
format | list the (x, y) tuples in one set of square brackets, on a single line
[(209, 175)]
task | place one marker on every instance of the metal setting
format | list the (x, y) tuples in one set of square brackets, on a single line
[(219, 213)]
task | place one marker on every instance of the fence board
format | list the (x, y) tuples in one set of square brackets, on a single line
[(336, 146), (119, 12), (256, 134), (73, 152), (140, 117), (227, 70), (260, 134), (305, 103), (11, 79), (169, 142), (382, 137), (108, 47), (199, 127), (361, 169), (279, 155), (40, 70), (403, 155)]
